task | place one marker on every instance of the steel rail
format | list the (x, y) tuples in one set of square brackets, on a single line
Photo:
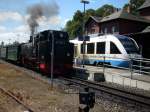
[(113, 91), (16, 99)]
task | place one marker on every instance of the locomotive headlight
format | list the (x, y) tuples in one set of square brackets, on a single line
[(68, 54), (61, 35), (42, 57)]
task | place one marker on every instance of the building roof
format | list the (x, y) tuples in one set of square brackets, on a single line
[(124, 15), (95, 18), (145, 5), (147, 29)]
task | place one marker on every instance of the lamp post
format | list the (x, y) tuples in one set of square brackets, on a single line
[(51, 33), (52, 59), (83, 29)]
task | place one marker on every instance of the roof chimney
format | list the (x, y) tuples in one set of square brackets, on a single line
[(128, 9)]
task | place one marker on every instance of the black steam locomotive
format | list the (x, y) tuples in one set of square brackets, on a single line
[(38, 51)]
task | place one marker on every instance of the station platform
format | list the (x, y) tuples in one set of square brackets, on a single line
[(114, 75)]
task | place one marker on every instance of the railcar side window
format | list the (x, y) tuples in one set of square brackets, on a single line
[(90, 48), (100, 48), (114, 49)]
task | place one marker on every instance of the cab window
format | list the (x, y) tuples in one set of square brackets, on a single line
[(114, 49)]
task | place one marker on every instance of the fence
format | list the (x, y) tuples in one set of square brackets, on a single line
[(126, 75)]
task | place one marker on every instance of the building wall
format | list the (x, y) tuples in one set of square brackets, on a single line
[(118, 26), (145, 13), (92, 27), (128, 26), (110, 27)]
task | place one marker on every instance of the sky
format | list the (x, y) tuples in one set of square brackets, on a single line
[(14, 16)]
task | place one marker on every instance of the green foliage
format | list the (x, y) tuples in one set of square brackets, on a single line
[(89, 12), (74, 26), (15, 43), (134, 5), (2, 44), (105, 10)]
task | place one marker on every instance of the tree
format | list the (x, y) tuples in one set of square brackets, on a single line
[(105, 10), (89, 12), (74, 26), (133, 6), (15, 43), (78, 16), (2, 44)]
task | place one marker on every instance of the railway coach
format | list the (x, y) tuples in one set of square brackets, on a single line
[(13, 53), (3, 52)]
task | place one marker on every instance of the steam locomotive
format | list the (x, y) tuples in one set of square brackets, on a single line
[(38, 52)]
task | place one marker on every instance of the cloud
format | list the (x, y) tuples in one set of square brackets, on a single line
[(55, 20), (14, 36), (2, 29), (65, 21), (22, 28), (4, 16), (20, 32)]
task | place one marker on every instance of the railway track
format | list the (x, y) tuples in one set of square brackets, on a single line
[(133, 97), (141, 100), (28, 109)]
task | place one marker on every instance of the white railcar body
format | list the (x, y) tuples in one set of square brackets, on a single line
[(115, 50)]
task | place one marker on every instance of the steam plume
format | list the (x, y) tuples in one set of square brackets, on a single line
[(38, 10)]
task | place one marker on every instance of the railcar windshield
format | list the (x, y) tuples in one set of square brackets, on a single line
[(128, 44)]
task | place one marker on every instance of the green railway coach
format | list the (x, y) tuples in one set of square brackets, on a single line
[(3, 52), (13, 53)]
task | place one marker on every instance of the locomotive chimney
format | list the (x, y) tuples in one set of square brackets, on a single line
[(38, 11)]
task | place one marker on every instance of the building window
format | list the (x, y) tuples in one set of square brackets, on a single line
[(100, 48), (90, 48), (114, 29), (114, 49), (92, 31), (105, 30)]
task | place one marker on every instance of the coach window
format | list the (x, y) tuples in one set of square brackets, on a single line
[(114, 49), (100, 48), (90, 48)]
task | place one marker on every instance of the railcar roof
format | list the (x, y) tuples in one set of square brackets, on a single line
[(100, 38)]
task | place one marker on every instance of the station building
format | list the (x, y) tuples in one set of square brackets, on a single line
[(125, 23)]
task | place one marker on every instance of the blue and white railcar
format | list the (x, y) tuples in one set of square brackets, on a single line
[(115, 50)]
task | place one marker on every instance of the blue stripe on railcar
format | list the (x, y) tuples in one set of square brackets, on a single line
[(115, 63)]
